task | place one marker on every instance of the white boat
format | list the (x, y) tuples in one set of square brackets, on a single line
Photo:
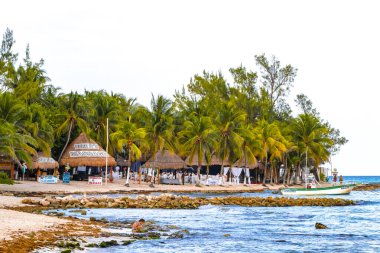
[(311, 189)]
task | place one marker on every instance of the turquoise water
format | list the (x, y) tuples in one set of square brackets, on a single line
[(261, 229), (361, 179)]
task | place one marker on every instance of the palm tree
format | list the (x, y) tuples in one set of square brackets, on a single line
[(159, 124), (104, 106), (129, 138), (271, 142), (73, 115), (15, 141), (229, 124), (312, 139), (198, 138), (250, 147)]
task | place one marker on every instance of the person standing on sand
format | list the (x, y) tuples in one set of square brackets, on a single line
[(24, 167), (138, 226), (341, 179)]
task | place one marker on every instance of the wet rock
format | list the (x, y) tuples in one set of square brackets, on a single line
[(320, 226), (106, 244), (153, 235), (226, 235), (176, 235), (127, 242), (58, 214), (44, 203), (92, 245)]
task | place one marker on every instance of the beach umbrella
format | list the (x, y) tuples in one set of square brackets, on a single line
[(84, 151)]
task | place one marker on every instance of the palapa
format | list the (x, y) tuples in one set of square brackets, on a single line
[(84, 151), (40, 161), (247, 164), (165, 160), (122, 161), (214, 161)]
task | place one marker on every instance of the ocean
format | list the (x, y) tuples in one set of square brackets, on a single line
[(261, 229)]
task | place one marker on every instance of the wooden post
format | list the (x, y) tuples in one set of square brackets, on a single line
[(139, 172), (158, 176)]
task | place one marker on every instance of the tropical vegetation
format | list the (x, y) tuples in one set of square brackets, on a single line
[(247, 118)]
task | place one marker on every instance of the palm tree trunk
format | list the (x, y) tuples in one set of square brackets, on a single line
[(265, 168), (289, 174), (199, 171), (285, 170), (271, 173), (222, 171), (129, 167), (67, 141), (139, 172), (297, 173)]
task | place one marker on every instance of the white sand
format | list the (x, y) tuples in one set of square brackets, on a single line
[(14, 222), (76, 186)]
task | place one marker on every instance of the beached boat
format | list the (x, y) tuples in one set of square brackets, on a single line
[(312, 189)]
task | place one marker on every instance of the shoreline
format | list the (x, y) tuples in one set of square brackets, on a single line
[(82, 187), (24, 228)]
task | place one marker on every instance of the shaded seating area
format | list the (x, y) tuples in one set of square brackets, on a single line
[(44, 168), (165, 160)]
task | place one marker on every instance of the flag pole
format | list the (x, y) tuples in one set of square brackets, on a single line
[(107, 154)]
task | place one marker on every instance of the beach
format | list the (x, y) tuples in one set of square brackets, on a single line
[(24, 231), (119, 186)]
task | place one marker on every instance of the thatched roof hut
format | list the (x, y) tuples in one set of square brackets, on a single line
[(248, 164), (214, 161), (84, 151), (165, 160), (40, 161), (121, 161)]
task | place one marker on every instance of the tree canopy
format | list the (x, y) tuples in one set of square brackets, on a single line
[(248, 117)]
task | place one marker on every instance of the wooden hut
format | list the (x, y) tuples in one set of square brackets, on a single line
[(165, 160), (7, 166), (84, 151), (42, 162), (214, 161), (245, 163)]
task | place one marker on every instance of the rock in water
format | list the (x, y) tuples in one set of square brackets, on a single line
[(320, 226)]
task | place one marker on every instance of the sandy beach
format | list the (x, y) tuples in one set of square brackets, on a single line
[(84, 187), (17, 224)]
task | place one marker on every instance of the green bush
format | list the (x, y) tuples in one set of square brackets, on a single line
[(4, 179), (322, 177)]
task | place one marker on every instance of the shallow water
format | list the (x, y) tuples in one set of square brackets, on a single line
[(260, 229)]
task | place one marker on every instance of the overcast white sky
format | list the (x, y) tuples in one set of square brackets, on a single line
[(143, 47)]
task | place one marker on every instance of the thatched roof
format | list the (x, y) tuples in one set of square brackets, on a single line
[(40, 161), (165, 160), (214, 161), (242, 163), (84, 151), (122, 161)]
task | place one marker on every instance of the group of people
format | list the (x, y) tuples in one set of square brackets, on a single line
[(335, 178)]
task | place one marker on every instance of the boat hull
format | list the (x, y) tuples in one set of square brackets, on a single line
[(333, 190)]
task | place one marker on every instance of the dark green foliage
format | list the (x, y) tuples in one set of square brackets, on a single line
[(106, 244), (4, 179)]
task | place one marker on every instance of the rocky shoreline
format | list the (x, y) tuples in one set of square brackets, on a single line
[(169, 201)]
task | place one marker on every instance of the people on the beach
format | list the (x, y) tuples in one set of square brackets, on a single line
[(341, 179), (138, 226), (67, 167), (24, 168)]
